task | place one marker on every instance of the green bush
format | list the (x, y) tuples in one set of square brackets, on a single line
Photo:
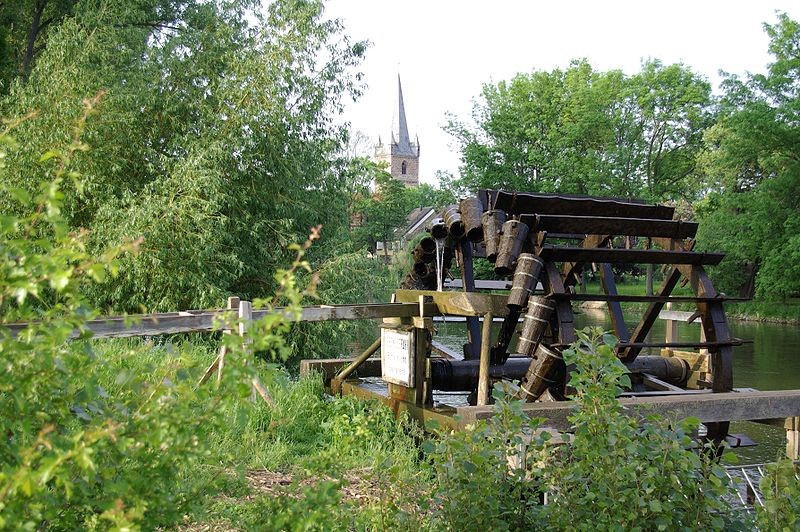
[(780, 487), (613, 473), (97, 437)]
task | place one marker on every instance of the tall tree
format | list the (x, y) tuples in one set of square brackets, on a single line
[(583, 131), (214, 140), (753, 169)]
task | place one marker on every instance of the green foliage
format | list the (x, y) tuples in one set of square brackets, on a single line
[(780, 487), (588, 132), (475, 486), (643, 476), (613, 473), (215, 140), (752, 166), (97, 438), (349, 278)]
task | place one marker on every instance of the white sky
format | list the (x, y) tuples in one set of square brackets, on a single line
[(445, 50)]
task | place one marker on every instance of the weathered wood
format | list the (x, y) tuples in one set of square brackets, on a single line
[(538, 378), (534, 325), (614, 307), (329, 367), (680, 345), (526, 277), (504, 337), (428, 417), (616, 226), (480, 284), (628, 256), (708, 407), (452, 219), (641, 299), (445, 351), (520, 203), (209, 320), (483, 370), (471, 210), (492, 222), (715, 326), (654, 383), (458, 303), (512, 240), (342, 375)]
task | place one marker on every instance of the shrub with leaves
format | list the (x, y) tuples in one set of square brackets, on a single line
[(618, 472), (780, 487), (614, 472), (87, 442), (476, 488)]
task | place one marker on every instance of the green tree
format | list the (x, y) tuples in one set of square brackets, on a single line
[(215, 138), (384, 211), (588, 132), (753, 172)]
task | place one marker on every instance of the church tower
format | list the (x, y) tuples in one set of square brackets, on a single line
[(401, 154)]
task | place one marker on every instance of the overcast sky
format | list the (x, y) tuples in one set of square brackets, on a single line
[(444, 50)]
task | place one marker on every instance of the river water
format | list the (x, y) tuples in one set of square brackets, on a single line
[(770, 362)]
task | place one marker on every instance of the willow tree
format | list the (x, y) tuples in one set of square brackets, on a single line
[(215, 138)]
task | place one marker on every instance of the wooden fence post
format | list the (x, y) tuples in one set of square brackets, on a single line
[(219, 362)]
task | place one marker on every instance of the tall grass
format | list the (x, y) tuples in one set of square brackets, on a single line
[(305, 435)]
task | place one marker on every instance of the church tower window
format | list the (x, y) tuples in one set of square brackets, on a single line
[(403, 168)]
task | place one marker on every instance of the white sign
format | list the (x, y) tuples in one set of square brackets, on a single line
[(397, 357)]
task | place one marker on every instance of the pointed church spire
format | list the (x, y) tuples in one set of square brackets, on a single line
[(403, 140)]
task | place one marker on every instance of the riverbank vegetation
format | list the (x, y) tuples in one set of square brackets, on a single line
[(167, 154)]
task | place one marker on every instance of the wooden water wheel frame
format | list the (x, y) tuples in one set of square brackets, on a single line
[(594, 223)]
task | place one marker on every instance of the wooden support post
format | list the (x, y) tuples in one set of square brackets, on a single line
[(423, 391), (483, 371), (464, 253), (219, 362), (793, 438), (671, 328), (336, 382)]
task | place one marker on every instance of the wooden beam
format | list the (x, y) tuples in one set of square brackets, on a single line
[(459, 303), (521, 203), (643, 299), (329, 367), (207, 320), (627, 256), (616, 226), (708, 407)]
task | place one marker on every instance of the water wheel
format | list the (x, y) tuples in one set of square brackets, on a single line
[(548, 241)]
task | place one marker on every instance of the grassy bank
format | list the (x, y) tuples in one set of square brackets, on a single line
[(209, 458), (307, 462), (765, 311)]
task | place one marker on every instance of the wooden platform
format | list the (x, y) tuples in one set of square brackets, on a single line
[(706, 406)]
